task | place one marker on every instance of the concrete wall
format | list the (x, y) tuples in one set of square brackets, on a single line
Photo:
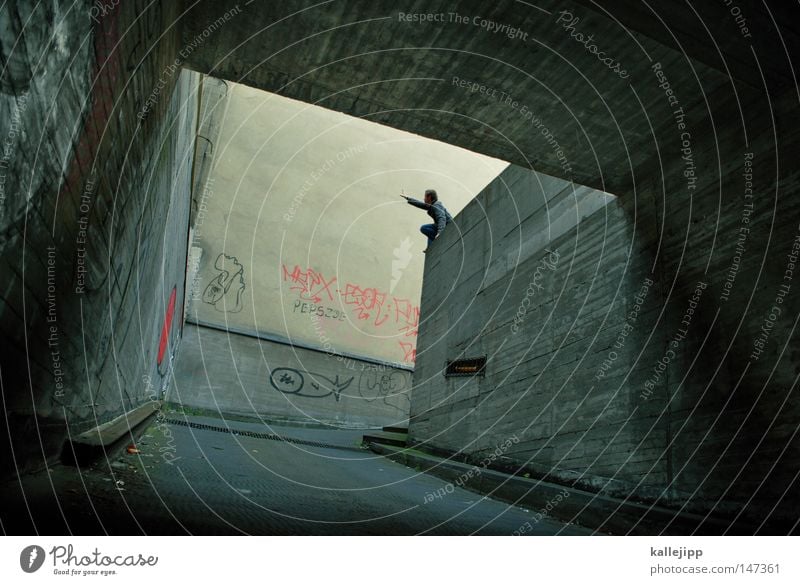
[(236, 374), (301, 215), (97, 127), (651, 355)]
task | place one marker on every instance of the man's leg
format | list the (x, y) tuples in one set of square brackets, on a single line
[(429, 230)]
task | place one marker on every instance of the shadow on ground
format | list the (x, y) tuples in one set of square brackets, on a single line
[(190, 477)]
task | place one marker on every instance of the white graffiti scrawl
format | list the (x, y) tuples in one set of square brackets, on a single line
[(225, 291)]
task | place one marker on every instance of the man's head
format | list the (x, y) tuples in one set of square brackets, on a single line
[(430, 196)]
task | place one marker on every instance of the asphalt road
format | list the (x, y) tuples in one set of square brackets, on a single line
[(198, 481)]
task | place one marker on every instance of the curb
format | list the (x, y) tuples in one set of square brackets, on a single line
[(601, 513)]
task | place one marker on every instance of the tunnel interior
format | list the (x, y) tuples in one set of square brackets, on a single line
[(637, 347)]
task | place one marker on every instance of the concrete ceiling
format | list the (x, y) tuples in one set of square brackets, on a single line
[(547, 103)]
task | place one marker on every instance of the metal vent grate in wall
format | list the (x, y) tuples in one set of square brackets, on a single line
[(466, 367), (255, 435)]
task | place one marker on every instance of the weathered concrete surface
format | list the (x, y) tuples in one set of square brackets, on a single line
[(228, 373), (650, 354), (723, 35), (301, 215), (590, 121), (97, 136)]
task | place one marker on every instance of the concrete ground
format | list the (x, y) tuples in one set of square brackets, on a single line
[(189, 480)]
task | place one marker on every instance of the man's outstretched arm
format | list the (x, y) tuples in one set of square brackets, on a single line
[(416, 202)]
